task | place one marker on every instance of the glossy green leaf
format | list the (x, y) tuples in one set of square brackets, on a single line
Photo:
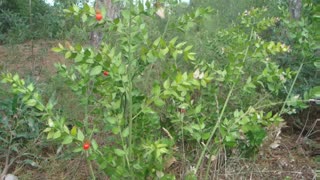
[(96, 70), (31, 102), (158, 102), (67, 140), (80, 135), (74, 131), (94, 144), (119, 152), (56, 135)]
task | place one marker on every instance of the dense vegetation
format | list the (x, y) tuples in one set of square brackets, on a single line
[(192, 83)]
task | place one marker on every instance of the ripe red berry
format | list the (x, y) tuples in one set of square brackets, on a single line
[(106, 73), (98, 16), (86, 146)]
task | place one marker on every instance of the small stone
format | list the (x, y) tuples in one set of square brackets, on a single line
[(10, 177)]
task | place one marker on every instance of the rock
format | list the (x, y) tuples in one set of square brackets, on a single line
[(10, 177)]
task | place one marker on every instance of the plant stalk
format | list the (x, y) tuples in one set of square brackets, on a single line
[(222, 112), (90, 167), (291, 87)]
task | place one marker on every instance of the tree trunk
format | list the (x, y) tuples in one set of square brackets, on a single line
[(295, 7), (113, 11)]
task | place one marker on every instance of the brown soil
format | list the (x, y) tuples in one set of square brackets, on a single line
[(297, 155), (30, 58)]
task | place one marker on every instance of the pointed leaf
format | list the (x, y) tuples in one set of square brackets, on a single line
[(96, 70), (67, 140), (80, 135)]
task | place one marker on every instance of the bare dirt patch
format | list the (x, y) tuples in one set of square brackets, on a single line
[(31, 58)]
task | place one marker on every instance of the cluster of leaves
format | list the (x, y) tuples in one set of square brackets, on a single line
[(21, 21), (302, 35), (20, 124)]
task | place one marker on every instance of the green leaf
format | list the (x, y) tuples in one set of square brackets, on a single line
[(74, 131), (175, 54), (79, 149), (40, 107), (86, 8), (96, 70), (31, 102), (191, 56), (76, 8), (47, 130), (50, 123), (78, 58), (80, 135), (67, 140), (16, 77), (158, 102), (317, 64), (164, 51), (56, 49), (66, 129), (156, 42), (156, 90), (112, 120), (56, 135), (60, 46), (125, 132), (315, 92), (187, 48), (115, 130), (173, 41), (198, 109), (178, 46), (94, 144), (84, 17), (166, 84), (119, 152), (50, 135), (67, 54)]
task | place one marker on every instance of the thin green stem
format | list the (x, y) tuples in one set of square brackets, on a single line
[(129, 89), (214, 130), (222, 111), (290, 91), (166, 27), (86, 117), (127, 160), (182, 138), (90, 167)]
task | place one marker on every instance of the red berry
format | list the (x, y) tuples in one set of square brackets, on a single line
[(183, 111), (98, 16), (86, 146), (106, 73)]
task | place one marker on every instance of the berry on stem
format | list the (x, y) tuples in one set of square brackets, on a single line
[(98, 16), (105, 73), (86, 146)]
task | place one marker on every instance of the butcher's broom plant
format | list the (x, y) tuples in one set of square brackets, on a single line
[(132, 131)]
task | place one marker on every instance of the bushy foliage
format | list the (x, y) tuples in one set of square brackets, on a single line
[(147, 97), (302, 35), (44, 22)]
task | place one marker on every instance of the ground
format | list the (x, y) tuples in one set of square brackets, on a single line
[(289, 152)]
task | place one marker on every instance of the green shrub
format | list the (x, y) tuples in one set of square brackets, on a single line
[(20, 127), (150, 94)]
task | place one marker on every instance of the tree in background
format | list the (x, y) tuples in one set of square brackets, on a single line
[(295, 7), (68, 3), (22, 20)]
